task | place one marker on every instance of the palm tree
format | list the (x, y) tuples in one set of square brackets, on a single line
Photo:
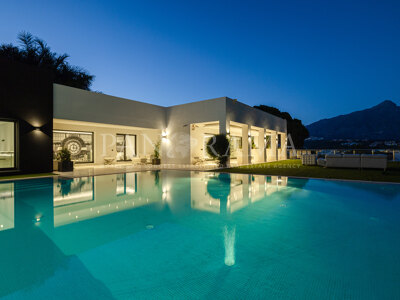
[(35, 51)]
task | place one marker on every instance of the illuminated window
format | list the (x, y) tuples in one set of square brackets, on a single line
[(268, 141), (254, 142), (80, 144), (236, 143), (126, 147), (7, 145), (279, 141)]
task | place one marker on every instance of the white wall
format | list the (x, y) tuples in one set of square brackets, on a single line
[(76, 104), (176, 149), (242, 113)]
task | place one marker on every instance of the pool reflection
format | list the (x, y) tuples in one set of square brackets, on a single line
[(65, 218), (6, 206), (227, 193)]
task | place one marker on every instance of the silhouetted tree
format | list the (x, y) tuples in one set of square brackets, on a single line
[(218, 147), (34, 51), (295, 127)]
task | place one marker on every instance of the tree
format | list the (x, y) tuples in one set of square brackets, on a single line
[(34, 51), (218, 147), (295, 127)]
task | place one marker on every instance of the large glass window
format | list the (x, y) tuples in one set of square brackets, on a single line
[(126, 147), (268, 140), (279, 141), (80, 144), (254, 142), (236, 143), (7, 145)]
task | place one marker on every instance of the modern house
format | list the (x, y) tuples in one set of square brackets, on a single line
[(39, 119)]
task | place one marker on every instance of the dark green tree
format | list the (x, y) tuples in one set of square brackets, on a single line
[(34, 51), (295, 127), (218, 147)]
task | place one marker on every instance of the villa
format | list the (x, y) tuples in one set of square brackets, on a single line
[(40, 118)]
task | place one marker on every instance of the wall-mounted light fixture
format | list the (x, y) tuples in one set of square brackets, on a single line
[(37, 129), (164, 134)]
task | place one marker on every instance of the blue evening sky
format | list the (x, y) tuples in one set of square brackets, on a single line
[(314, 59)]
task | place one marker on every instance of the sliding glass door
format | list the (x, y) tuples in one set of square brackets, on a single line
[(126, 147), (7, 145)]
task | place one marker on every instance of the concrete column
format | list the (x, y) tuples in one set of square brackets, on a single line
[(264, 132), (249, 144), (282, 153), (224, 129), (261, 152), (284, 146), (245, 144), (274, 146)]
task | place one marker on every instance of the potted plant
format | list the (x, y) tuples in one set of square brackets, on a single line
[(65, 164), (218, 147), (156, 156)]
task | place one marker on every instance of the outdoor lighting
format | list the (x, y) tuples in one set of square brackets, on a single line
[(37, 129), (164, 134)]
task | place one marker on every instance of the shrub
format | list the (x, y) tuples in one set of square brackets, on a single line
[(64, 155), (218, 147)]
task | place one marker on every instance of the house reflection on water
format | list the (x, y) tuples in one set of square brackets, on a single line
[(227, 193), (166, 194), (6, 206), (57, 220), (86, 198)]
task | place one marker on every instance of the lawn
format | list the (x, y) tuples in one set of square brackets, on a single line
[(293, 167), (25, 176)]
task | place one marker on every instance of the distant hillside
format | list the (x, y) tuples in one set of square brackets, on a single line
[(381, 122)]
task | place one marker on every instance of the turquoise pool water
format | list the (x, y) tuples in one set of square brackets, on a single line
[(191, 235)]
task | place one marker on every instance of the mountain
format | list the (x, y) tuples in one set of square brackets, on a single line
[(381, 122)]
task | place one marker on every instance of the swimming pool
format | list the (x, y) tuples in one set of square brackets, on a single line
[(190, 235)]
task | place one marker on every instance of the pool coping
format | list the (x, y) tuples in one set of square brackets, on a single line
[(32, 177), (317, 178), (214, 170)]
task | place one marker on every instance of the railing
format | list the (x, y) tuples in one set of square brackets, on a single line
[(393, 154)]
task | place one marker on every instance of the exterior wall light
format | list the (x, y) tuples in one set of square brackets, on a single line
[(37, 129), (164, 134)]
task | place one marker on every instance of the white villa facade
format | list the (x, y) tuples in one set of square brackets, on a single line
[(100, 129)]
